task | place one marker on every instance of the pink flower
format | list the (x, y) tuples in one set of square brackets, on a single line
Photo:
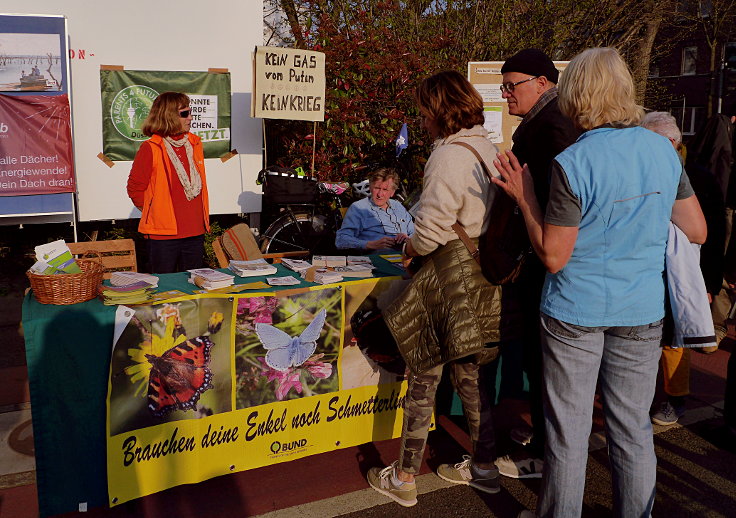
[(285, 380), (316, 368), (261, 308)]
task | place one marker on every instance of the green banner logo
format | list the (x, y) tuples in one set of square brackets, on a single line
[(130, 108)]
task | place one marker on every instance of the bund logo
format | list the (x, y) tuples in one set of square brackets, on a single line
[(3, 130), (285, 447), (130, 108)]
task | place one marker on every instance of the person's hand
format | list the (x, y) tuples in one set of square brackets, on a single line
[(384, 242), (710, 298), (400, 238), (515, 180)]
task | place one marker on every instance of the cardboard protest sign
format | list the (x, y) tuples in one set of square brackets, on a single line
[(288, 84)]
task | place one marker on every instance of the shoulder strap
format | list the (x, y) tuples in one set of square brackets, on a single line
[(477, 155), (459, 230)]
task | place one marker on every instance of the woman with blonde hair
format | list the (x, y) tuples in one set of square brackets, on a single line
[(603, 241), (449, 314), (167, 184)]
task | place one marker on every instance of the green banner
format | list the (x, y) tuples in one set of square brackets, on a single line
[(127, 96)]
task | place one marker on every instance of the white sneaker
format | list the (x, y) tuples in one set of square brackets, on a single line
[(520, 466), (667, 414)]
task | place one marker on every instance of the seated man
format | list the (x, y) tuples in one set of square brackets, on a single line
[(378, 222)]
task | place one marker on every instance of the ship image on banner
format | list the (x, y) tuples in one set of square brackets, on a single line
[(127, 96)]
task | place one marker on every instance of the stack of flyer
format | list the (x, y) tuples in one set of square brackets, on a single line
[(360, 260), (135, 293), (358, 266), (209, 279), (252, 268), (324, 276), (354, 270), (127, 278), (53, 258), (329, 260), (296, 265)]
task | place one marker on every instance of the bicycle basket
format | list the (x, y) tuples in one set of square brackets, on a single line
[(283, 185)]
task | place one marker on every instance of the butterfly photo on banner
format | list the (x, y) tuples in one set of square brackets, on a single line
[(179, 376), (285, 351)]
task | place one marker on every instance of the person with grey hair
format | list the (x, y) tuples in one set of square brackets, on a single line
[(663, 123), (675, 362)]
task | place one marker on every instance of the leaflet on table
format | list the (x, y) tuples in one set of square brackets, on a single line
[(252, 268), (283, 281), (209, 279), (357, 260), (329, 260), (354, 270), (128, 287), (126, 278), (57, 255), (237, 288), (322, 276), (296, 265)]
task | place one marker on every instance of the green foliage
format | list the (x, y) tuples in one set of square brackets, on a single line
[(372, 73)]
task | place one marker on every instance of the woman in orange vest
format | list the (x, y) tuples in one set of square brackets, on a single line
[(167, 184)]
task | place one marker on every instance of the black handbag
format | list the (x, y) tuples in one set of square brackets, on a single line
[(504, 247), (376, 341)]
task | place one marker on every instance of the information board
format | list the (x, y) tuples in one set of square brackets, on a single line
[(486, 77)]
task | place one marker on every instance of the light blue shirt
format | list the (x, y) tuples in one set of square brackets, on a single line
[(626, 181), (365, 221)]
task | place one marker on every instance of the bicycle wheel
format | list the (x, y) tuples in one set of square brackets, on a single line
[(303, 231)]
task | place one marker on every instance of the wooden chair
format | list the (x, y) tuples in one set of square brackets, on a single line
[(115, 254), (238, 243)]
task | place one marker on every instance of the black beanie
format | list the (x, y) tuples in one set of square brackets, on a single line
[(533, 62)]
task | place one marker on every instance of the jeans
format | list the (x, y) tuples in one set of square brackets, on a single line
[(623, 360), (175, 255)]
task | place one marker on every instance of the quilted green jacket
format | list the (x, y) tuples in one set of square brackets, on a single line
[(450, 311)]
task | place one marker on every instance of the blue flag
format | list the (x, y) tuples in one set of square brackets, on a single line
[(402, 141)]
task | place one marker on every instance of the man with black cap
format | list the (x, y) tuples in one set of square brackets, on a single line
[(530, 89)]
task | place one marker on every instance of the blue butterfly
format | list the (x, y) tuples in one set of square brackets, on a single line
[(285, 351)]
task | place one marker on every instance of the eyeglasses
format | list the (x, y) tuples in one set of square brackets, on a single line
[(185, 113), (509, 87)]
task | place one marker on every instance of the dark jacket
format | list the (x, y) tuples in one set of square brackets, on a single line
[(537, 143), (712, 148), (711, 253), (449, 311), (542, 138)]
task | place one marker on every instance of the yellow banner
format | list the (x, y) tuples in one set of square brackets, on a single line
[(214, 384)]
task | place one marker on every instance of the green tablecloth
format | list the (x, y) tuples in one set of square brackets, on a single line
[(68, 352)]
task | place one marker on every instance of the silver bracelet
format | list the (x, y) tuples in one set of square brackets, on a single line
[(403, 247)]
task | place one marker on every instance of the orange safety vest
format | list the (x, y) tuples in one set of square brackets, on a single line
[(158, 209)]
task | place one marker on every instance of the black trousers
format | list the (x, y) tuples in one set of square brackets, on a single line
[(175, 255)]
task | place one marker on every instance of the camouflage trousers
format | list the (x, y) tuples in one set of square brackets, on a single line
[(466, 377)]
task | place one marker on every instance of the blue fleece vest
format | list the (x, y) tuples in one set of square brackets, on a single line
[(626, 180)]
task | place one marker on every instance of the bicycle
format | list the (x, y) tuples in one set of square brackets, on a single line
[(308, 219)]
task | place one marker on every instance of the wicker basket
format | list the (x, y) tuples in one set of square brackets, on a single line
[(68, 288)]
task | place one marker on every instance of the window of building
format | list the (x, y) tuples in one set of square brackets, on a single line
[(689, 57), (689, 119)]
